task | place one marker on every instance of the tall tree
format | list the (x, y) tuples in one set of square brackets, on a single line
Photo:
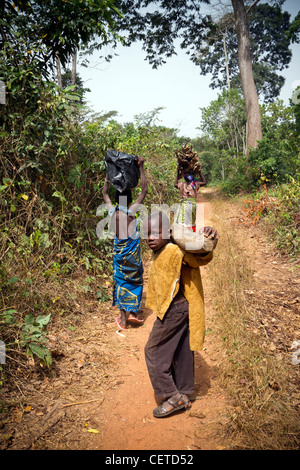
[(254, 129), (270, 49), (58, 70), (224, 122), (74, 66)]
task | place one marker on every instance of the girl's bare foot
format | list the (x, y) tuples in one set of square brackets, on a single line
[(122, 319)]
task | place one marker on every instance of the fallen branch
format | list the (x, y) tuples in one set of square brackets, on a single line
[(50, 420), (82, 402)]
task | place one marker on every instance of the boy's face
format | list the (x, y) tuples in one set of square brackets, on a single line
[(158, 234)]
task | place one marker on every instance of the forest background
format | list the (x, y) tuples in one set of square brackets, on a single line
[(53, 146)]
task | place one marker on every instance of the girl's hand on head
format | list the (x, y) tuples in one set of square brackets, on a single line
[(140, 161)]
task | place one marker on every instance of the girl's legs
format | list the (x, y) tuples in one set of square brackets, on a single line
[(123, 318), (126, 317)]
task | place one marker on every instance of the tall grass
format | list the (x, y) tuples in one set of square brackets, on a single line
[(263, 414)]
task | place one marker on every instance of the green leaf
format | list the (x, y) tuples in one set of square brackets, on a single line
[(73, 97), (43, 320), (8, 315), (41, 352), (29, 319), (37, 350), (12, 280), (59, 196), (69, 88)]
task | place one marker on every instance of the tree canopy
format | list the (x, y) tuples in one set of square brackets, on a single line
[(270, 51), (250, 59), (162, 26), (41, 29), (159, 23)]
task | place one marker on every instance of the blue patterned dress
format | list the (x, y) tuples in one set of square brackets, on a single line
[(127, 270)]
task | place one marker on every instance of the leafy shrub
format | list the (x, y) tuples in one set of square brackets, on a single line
[(33, 338), (273, 161), (278, 208), (284, 216)]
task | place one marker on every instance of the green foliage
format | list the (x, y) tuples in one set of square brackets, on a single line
[(237, 180), (283, 216), (224, 121), (295, 104), (224, 125), (33, 339), (294, 30), (37, 31), (78, 87), (158, 24), (278, 154), (272, 161), (276, 158), (28, 333), (102, 295)]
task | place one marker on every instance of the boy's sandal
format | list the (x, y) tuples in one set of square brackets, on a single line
[(161, 411), (186, 401)]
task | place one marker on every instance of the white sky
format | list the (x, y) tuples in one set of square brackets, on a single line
[(130, 86)]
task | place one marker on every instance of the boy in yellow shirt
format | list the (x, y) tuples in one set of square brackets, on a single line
[(175, 293)]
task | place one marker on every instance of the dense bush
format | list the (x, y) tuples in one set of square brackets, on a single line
[(276, 158)]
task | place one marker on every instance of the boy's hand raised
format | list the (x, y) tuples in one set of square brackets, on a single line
[(209, 232)]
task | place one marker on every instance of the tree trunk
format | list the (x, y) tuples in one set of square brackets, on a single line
[(226, 60), (58, 68), (74, 67), (254, 133)]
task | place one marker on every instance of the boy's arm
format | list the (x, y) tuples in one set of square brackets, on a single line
[(105, 194), (194, 260), (144, 191)]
